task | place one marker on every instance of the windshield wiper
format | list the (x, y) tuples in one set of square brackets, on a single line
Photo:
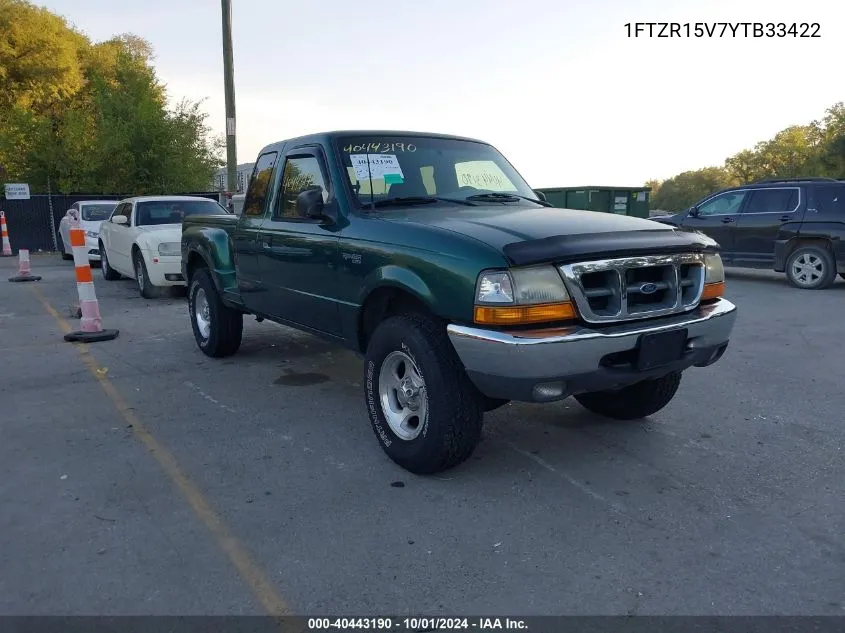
[(418, 200), (506, 197)]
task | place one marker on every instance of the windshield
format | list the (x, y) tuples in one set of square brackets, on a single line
[(172, 211), (383, 168), (97, 212)]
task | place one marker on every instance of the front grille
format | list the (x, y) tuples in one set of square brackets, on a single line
[(635, 287)]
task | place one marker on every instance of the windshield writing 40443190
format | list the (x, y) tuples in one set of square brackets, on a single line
[(382, 147)]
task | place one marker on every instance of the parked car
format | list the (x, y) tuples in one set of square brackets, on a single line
[(433, 258), (796, 226), (90, 214), (141, 239)]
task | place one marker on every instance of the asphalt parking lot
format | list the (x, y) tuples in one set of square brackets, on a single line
[(138, 476)]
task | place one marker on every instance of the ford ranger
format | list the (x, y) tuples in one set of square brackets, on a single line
[(461, 287)]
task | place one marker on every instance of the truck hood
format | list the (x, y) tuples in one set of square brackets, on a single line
[(539, 235)]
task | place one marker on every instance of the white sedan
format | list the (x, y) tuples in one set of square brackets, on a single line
[(143, 239), (90, 214)]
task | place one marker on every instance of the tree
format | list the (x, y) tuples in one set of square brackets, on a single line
[(93, 116), (817, 149), (683, 190), (745, 166)]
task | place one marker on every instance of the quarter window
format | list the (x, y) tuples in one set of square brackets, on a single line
[(259, 184), (724, 204), (301, 173), (773, 201)]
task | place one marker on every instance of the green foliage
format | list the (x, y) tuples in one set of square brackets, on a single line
[(817, 149), (93, 116), (680, 191)]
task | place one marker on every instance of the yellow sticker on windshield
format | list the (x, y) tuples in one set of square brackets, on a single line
[(483, 174)]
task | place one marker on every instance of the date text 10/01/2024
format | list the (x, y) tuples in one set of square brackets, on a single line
[(417, 624), (723, 29)]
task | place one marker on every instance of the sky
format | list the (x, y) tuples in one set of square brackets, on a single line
[(557, 86)]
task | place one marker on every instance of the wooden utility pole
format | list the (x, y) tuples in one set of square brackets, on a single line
[(229, 81)]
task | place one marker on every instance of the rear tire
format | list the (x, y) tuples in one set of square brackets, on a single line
[(109, 273), (634, 402), (811, 268), (145, 286), (217, 328), (425, 412)]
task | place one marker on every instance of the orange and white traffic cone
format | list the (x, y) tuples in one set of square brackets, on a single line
[(7, 247), (91, 326), (24, 271)]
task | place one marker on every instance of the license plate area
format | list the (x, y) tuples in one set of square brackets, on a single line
[(660, 348)]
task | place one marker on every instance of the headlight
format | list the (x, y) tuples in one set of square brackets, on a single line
[(522, 296), (170, 248), (714, 277), (714, 271), (93, 234)]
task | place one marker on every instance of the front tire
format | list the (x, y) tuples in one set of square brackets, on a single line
[(811, 268), (218, 329), (145, 286), (109, 273), (425, 412), (634, 402)]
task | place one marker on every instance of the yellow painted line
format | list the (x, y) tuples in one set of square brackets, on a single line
[(249, 570)]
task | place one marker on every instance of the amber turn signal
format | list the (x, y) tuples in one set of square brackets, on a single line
[(713, 291), (522, 315)]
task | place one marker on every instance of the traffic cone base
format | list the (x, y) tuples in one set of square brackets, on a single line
[(91, 337), (25, 278)]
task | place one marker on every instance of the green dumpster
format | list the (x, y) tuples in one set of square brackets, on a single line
[(622, 200)]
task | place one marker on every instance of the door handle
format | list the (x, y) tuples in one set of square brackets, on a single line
[(785, 218), (727, 220)]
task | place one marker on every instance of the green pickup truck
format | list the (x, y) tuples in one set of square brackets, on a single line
[(461, 287)]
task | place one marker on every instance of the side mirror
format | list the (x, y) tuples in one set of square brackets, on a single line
[(540, 195), (120, 219), (309, 203), (693, 212)]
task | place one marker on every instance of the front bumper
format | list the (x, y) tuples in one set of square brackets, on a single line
[(550, 364), (165, 270)]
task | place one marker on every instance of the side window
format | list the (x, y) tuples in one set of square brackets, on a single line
[(301, 173), (830, 199), (259, 184), (724, 204), (773, 201)]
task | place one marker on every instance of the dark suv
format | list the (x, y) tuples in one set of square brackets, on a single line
[(795, 226)]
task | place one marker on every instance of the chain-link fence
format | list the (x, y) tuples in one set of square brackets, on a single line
[(34, 223)]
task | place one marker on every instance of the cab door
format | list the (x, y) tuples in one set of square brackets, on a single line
[(717, 217), (298, 256), (769, 212), (117, 240), (246, 233)]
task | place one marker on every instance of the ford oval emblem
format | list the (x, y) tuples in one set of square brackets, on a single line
[(648, 288)]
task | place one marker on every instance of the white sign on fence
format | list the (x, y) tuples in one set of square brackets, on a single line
[(17, 191)]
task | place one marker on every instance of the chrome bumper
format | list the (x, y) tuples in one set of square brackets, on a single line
[(550, 364)]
